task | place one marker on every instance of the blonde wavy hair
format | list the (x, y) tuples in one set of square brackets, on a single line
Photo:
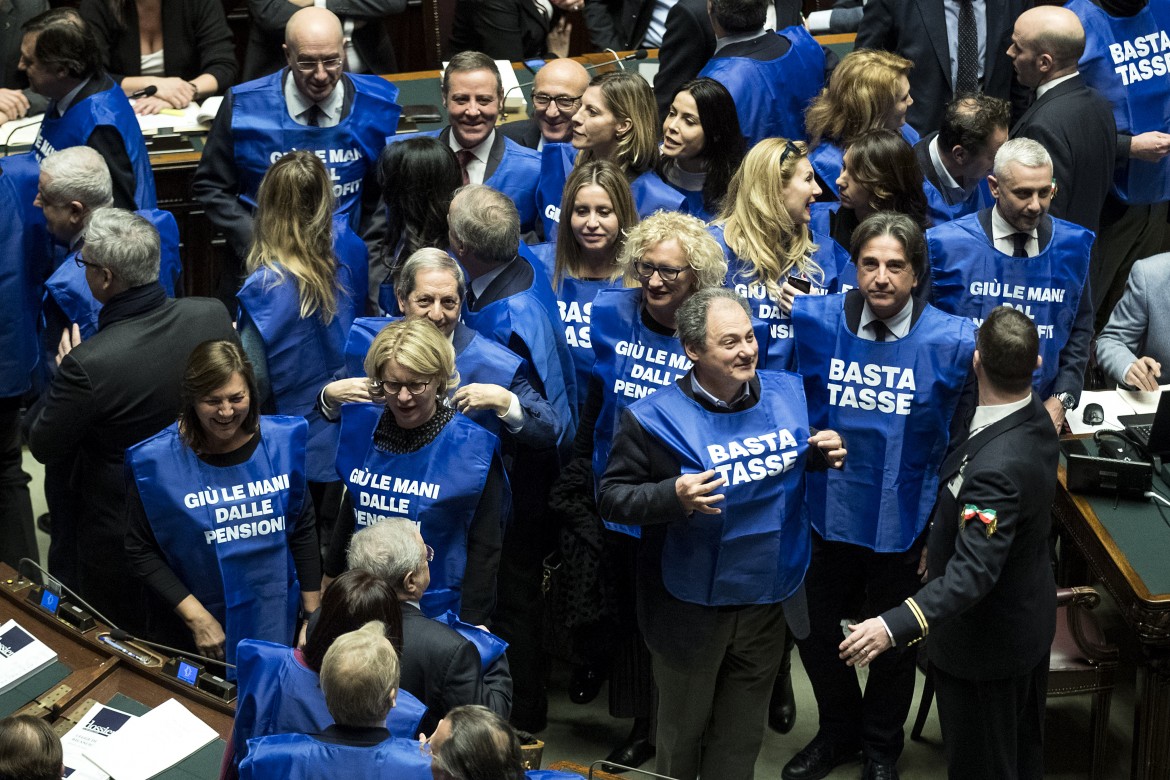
[(629, 98), (756, 223), (859, 97), (610, 178), (416, 345), (293, 231), (702, 252)]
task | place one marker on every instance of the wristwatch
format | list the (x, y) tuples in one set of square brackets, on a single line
[(1066, 400)]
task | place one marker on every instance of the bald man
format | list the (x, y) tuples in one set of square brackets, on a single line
[(309, 104), (1069, 118), (556, 96)]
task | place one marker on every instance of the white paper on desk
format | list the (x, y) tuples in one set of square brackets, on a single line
[(1140, 401), (152, 743), (100, 723), (21, 655), (20, 132)]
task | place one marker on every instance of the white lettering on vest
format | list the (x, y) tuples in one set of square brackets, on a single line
[(739, 461), (852, 384), (1142, 58)]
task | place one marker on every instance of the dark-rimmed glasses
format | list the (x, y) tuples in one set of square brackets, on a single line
[(646, 270), (564, 102)]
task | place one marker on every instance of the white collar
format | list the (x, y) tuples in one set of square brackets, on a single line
[(899, 324), (988, 415), (1001, 228), (479, 151), (1040, 90)]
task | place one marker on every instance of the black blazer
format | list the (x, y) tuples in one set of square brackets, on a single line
[(495, 154), (196, 40), (1075, 124), (13, 14), (855, 300), (514, 279), (526, 132), (990, 606), (917, 30), (502, 29)]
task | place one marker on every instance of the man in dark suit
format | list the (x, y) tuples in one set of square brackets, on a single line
[(101, 400), (724, 544), (556, 96), (689, 41), (871, 557), (946, 62), (367, 45), (990, 605), (16, 98), (439, 666), (1069, 118), (957, 159)]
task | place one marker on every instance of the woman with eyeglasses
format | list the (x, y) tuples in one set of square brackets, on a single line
[(666, 258), (220, 525), (410, 455), (772, 255), (879, 172), (870, 90), (702, 145), (617, 121)]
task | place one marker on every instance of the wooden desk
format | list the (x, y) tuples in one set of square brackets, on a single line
[(1119, 545)]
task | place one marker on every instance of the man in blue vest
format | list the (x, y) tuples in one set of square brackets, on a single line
[(556, 96), (886, 370), (1015, 254), (310, 104), (771, 75), (359, 677), (63, 63), (957, 159), (990, 605), (713, 468), (512, 304)]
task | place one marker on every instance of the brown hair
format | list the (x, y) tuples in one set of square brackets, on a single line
[(209, 368)]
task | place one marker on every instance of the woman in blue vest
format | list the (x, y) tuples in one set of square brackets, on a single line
[(219, 524), (702, 145), (869, 90), (583, 259), (418, 176), (764, 231), (297, 305), (278, 688), (879, 172), (416, 458)]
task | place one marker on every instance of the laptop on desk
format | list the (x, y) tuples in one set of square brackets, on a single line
[(1151, 431)]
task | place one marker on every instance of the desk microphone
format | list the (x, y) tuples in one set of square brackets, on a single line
[(639, 54), (61, 585), (125, 636), (147, 92)]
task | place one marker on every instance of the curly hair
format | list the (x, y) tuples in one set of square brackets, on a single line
[(701, 251)]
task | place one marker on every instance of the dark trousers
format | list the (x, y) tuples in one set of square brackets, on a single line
[(63, 513), (17, 534), (849, 581), (993, 728)]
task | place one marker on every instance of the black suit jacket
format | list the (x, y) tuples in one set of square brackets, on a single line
[(13, 14), (990, 606), (502, 29), (525, 132), (854, 304), (1075, 124), (689, 41), (443, 670), (516, 278), (916, 29), (269, 17), (495, 154)]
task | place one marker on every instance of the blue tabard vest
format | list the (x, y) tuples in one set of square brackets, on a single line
[(757, 550), (650, 192), (108, 107), (892, 402), (532, 316), (69, 290), (303, 353), (224, 531), (479, 361), (940, 211), (489, 646), (970, 277), (263, 131), (828, 158), (23, 263), (821, 226), (766, 308), (1128, 61), (771, 95), (632, 362), (431, 487), (277, 695), (575, 302), (301, 757)]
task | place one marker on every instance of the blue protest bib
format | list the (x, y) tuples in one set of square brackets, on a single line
[(489, 646), (263, 132), (771, 95), (757, 549), (224, 530), (970, 277), (24, 260), (301, 757), (1127, 59), (892, 402), (431, 487), (940, 211)]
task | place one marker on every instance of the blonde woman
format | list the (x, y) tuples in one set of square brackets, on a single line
[(414, 457), (764, 232)]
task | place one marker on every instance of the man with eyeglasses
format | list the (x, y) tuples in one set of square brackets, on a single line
[(556, 96), (311, 104)]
